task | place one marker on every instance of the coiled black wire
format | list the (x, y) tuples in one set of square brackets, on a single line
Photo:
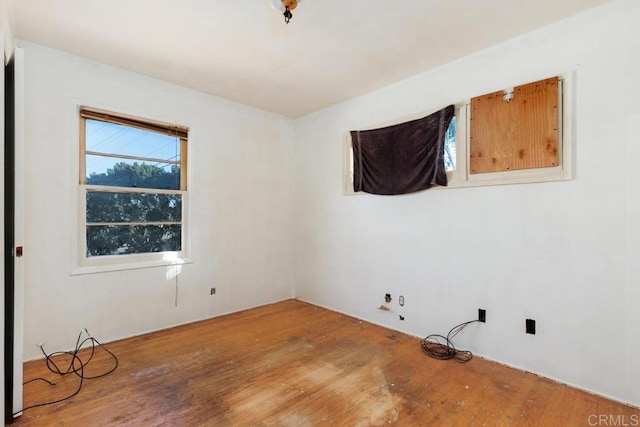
[(442, 348), (76, 366)]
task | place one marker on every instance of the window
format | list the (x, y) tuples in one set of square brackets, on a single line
[(516, 129), (450, 147), (450, 154), (402, 158), (133, 186), (518, 135), (450, 157), (524, 138)]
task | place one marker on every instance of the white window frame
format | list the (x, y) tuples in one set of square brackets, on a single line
[(461, 176), (104, 263)]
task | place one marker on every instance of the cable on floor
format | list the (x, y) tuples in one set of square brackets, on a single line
[(440, 347), (76, 366)]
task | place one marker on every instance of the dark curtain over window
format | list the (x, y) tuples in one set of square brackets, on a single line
[(402, 158)]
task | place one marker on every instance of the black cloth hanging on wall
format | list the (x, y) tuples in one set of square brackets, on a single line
[(402, 158)]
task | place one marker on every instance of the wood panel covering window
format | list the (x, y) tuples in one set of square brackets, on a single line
[(518, 132)]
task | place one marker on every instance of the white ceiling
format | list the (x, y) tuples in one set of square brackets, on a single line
[(242, 50)]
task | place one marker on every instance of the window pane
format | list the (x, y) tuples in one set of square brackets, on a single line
[(105, 137), (136, 239), (133, 207), (450, 147), (120, 172)]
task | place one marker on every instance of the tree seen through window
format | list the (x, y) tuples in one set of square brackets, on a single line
[(450, 147), (134, 190)]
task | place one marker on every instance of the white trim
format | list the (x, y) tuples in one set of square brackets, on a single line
[(142, 190), (132, 262), (132, 223), (347, 167), (127, 157), (459, 175)]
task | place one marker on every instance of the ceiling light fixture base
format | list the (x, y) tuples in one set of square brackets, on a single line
[(285, 6)]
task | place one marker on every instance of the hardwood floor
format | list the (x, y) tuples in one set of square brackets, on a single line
[(295, 364)]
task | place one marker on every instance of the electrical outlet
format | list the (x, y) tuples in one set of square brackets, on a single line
[(482, 315), (401, 301), (530, 326)]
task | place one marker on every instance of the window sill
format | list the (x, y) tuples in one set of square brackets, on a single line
[(110, 264), (529, 176)]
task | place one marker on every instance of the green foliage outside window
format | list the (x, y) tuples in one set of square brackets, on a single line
[(155, 217)]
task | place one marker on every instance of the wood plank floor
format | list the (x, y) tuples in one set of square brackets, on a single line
[(295, 364)]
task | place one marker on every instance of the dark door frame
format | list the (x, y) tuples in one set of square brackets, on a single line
[(9, 236)]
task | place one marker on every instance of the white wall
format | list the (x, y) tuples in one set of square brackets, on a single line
[(7, 32), (562, 253), (240, 192)]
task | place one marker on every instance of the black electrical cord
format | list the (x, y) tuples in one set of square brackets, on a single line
[(76, 366), (442, 348)]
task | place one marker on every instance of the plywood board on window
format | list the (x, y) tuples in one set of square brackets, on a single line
[(518, 134)]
